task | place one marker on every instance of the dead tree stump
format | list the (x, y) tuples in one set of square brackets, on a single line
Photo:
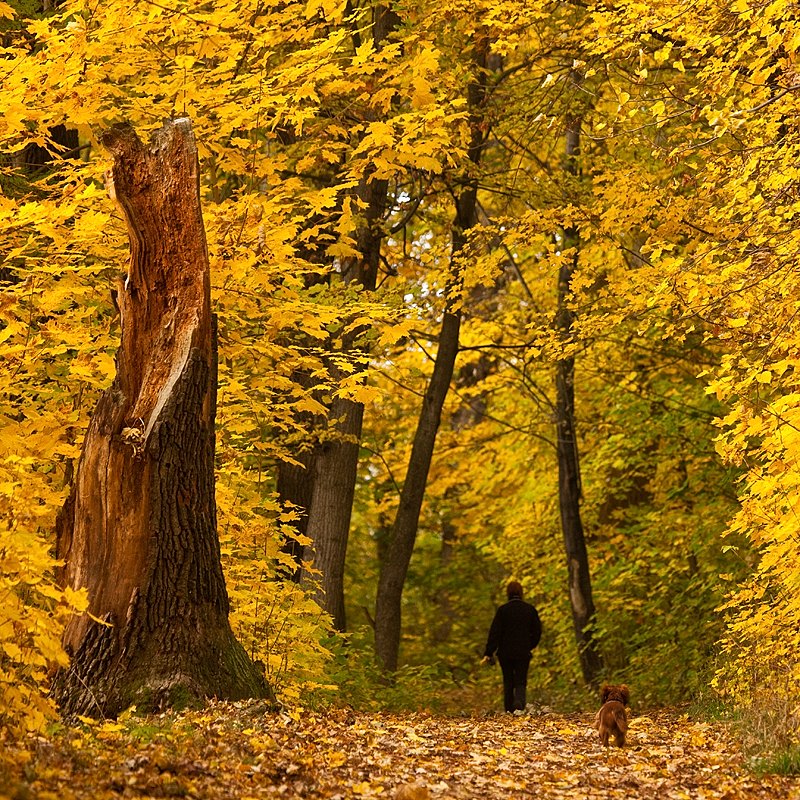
[(139, 529)]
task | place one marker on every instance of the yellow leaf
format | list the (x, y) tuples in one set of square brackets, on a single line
[(12, 650), (663, 54), (342, 250), (79, 600), (422, 95), (363, 52)]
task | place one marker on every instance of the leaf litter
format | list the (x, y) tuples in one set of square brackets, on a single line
[(243, 751)]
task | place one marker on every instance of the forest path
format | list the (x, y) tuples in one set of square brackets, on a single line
[(239, 751)]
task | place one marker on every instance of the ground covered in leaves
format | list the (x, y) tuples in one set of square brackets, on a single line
[(241, 751)]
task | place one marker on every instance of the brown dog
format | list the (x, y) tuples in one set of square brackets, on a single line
[(611, 718)]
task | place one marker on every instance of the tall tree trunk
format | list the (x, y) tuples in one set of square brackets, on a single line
[(139, 529), (569, 478), (336, 462), (394, 567), (336, 467)]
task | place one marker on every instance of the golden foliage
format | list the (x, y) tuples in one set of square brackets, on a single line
[(32, 614), (683, 200)]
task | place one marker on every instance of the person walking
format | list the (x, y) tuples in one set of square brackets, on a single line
[(514, 633)]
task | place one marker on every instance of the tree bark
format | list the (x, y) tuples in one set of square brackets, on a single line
[(336, 467), (139, 528), (569, 478), (394, 567)]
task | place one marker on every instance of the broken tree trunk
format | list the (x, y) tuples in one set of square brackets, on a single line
[(139, 528)]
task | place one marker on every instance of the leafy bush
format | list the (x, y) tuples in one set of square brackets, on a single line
[(32, 615), (278, 622), (355, 680)]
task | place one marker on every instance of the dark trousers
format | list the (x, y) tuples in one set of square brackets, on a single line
[(515, 682)]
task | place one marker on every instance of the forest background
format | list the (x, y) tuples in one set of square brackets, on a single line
[(609, 188)]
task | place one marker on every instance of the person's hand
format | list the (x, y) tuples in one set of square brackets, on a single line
[(488, 660)]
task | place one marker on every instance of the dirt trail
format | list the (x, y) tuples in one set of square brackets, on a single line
[(238, 751)]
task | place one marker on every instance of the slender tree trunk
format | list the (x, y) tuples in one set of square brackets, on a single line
[(139, 529), (394, 567), (569, 478), (336, 463), (336, 466)]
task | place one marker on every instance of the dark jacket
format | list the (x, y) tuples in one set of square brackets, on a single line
[(515, 630)]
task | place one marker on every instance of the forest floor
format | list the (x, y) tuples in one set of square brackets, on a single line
[(240, 751)]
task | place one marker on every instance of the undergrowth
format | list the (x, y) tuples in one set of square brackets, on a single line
[(766, 727)]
